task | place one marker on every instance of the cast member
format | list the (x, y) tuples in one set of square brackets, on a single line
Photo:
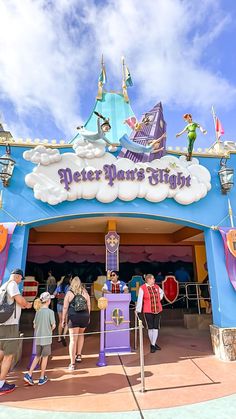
[(149, 302), (115, 286)]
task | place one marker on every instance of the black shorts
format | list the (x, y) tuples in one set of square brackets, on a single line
[(152, 320), (79, 319)]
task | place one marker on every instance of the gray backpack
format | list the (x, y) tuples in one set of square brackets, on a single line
[(6, 309)]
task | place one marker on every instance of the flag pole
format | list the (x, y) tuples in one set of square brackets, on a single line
[(100, 84), (123, 68), (214, 119), (124, 87), (230, 213)]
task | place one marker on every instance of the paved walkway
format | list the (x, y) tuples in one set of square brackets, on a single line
[(183, 380)]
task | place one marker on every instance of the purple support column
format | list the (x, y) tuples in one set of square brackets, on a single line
[(33, 354), (102, 357)]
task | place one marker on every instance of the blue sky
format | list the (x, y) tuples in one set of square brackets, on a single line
[(180, 52)]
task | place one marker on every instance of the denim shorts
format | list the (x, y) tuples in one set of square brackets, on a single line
[(59, 308)]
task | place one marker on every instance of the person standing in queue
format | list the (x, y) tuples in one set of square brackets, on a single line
[(51, 283), (9, 329), (149, 302), (114, 285), (77, 307), (60, 292)]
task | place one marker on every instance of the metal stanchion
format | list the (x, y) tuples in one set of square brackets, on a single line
[(140, 325), (198, 300), (186, 295), (102, 304), (136, 328), (102, 356)]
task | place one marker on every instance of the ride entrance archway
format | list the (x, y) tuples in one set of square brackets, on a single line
[(146, 246)]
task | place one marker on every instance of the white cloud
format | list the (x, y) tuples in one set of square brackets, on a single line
[(74, 178), (89, 150), (42, 155), (165, 43), (48, 52), (40, 61)]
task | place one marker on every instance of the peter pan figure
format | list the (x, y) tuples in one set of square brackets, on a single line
[(192, 135)]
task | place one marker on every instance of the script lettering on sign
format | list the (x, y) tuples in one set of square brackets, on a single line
[(110, 173)]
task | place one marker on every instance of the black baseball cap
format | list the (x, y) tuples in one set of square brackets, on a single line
[(18, 272)]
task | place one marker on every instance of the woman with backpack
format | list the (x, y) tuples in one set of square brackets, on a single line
[(60, 292), (77, 308)]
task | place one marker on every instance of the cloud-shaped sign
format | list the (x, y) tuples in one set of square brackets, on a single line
[(42, 155), (89, 150), (108, 178)]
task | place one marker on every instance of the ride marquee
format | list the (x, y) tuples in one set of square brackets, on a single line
[(68, 177)]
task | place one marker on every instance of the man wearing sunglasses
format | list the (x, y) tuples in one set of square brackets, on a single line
[(114, 285)]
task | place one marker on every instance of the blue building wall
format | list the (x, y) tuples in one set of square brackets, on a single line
[(20, 205)]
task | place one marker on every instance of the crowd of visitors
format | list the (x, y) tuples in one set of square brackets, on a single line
[(73, 314), (73, 309)]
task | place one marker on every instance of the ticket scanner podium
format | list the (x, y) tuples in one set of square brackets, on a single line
[(117, 319)]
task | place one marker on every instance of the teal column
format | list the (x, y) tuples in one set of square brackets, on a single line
[(223, 295), (17, 251)]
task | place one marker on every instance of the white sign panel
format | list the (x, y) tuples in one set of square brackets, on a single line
[(67, 177)]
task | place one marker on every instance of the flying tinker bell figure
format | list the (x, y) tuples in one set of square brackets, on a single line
[(192, 135)]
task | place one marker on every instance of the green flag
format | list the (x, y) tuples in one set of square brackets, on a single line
[(128, 79), (103, 77)]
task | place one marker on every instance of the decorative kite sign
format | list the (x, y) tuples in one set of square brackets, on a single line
[(229, 238), (170, 287), (3, 237), (231, 241)]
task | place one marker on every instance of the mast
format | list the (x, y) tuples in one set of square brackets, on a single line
[(124, 86), (101, 80), (230, 213), (214, 119)]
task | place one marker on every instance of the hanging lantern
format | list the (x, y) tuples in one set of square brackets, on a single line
[(226, 177), (7, 165)]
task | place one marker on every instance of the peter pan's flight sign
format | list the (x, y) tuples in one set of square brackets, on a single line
[(68, 177), (110, 173)]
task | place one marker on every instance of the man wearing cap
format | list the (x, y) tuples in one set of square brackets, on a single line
[(10, 329)]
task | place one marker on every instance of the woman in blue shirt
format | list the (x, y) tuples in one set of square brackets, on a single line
[(60, 292)]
